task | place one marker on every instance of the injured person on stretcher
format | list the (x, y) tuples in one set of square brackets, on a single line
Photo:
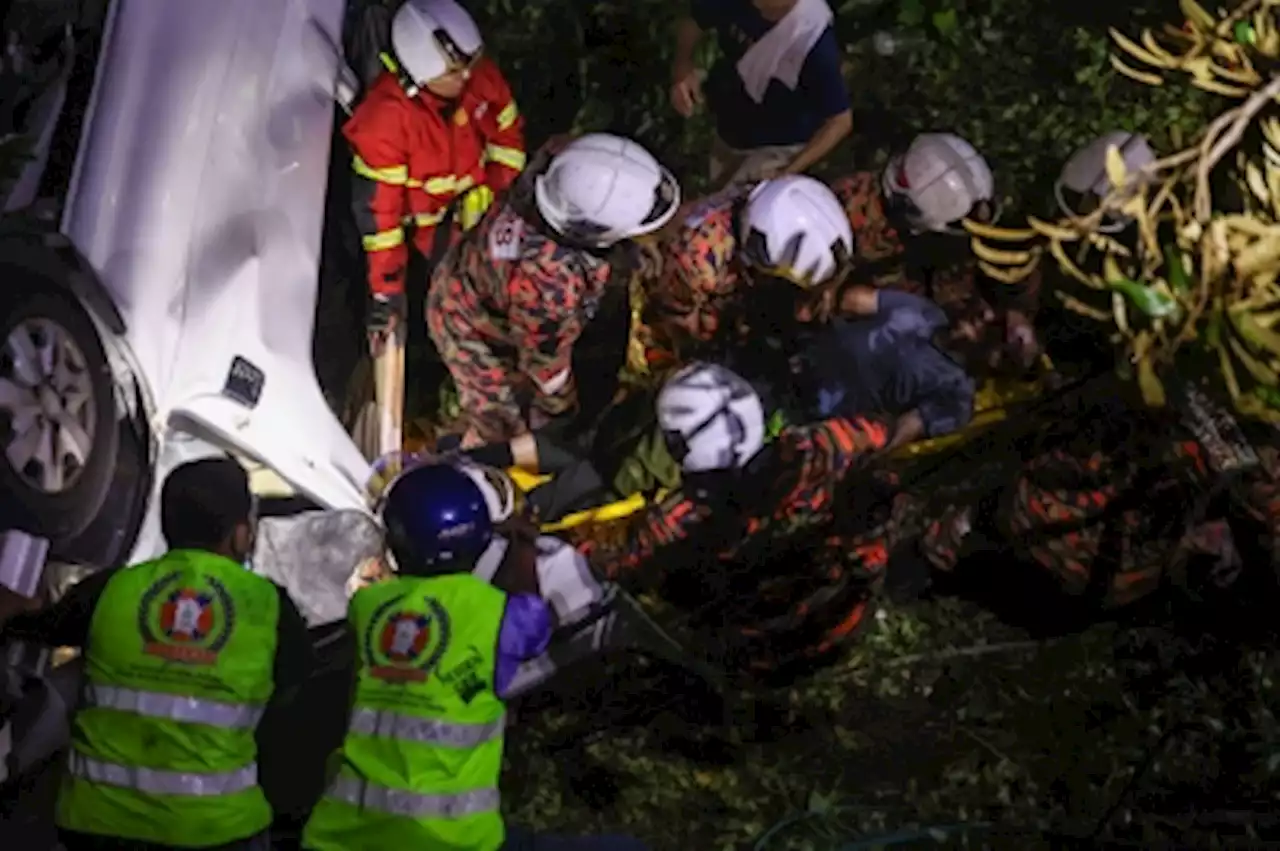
[(880, 361)]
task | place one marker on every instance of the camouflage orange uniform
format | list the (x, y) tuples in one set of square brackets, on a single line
[(699, 278), (1114, 524), (504, 309), (772, 559)]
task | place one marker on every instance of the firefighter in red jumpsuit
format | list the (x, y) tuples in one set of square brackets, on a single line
[(437, 135)]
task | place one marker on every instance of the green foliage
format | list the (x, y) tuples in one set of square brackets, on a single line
[(1025, 82)]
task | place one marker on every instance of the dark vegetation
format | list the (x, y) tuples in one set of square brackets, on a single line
[(986, 720), (993, 719)]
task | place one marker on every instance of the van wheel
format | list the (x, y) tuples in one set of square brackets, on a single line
[(58, 434)]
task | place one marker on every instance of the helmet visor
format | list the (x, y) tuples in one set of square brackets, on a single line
[(456, 59)]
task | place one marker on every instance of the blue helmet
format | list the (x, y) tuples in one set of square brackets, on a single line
[(437, 520)]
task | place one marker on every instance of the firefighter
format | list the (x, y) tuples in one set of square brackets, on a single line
[(745, 508), (906, 223), (746, 243), (507, 305), (436, 649), (438, 134), (182, 655)]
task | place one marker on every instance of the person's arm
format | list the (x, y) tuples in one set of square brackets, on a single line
[(545, 318), (66, 622), (502, 126), (524, 634), (943, 390), (380, 166), (635, 558), (686, 84), (822, 80), (845, 441)]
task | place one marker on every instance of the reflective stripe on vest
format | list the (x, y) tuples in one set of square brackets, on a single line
[(156, 782), (174, 707), (427, 731), (401, 802)]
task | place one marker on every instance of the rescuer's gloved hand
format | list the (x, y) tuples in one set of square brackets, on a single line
[(386, 315)]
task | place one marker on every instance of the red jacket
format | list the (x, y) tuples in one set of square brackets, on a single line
[(414, 156)]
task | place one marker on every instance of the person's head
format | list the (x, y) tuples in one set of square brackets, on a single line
[(206, 505), (711, 418), (938, 181), (501, 496), (435, 44), (602, 189), (794, 233), (1083, 182), (436, 521)]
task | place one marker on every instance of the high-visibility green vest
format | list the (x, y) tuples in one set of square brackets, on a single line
[(423, 750), (178, 669)]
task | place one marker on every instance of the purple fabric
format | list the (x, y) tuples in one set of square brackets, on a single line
[(525, 633)]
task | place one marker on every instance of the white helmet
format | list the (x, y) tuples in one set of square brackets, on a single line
[(711, 417), (431, 38), (1084, 182), (938, 181), (497, 487), (794, 227), (602, 189)]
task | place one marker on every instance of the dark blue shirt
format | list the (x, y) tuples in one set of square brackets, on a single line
[(785, 116), (888, 364)]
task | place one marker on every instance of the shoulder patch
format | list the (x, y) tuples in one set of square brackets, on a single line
[(506, 237)]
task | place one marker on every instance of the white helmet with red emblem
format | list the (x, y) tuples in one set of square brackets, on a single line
[(938, 181)]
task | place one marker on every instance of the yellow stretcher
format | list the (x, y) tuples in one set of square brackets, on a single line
[(991, 404)]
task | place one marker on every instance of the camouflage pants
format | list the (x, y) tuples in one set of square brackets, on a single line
[(798, 620), (469, 341), (1100, 527)]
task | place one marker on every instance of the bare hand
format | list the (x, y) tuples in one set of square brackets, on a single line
[(686, 90), (859, 300)]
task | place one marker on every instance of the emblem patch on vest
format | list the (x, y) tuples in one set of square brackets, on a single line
[(405, 646), (186, 623), (507, 237)]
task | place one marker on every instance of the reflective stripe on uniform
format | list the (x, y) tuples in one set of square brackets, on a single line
[(402, 802), (508, 116), (427, 220), (555, 383), (510, 157), (474, 205), (174, 707), (394, 175), (383, 240), (427, 731), (157, 782), (449, 184)]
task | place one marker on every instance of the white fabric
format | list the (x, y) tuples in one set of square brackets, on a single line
[(567, 583), (781, 53)]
